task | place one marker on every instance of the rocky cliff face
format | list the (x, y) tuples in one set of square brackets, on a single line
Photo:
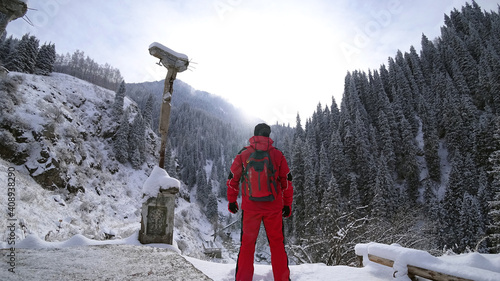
[(58, 129), (56, 132)]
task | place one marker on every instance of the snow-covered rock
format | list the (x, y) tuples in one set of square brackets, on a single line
[(159, 180)]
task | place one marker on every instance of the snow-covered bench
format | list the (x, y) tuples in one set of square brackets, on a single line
[(408, 263)]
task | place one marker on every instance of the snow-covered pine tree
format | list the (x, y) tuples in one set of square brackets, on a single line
[(354, 199), (170, 160), (117, 109), (137, 142), (7, 48), (203, 189), (148, 112), (24, 56), (299, 131), (408, 160), (120, 145), (45, 59), (471, 230), (485, 143), (385, 140), (134, 157), (339, 164), (325, 173), (298, 172), (331, 207), (494, 213), (212, 208), (385, 200), (459, 184), (310, 193), (431, 148), (330, 212)]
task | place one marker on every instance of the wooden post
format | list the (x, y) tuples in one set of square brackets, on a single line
[(165, 112), (174, 62)]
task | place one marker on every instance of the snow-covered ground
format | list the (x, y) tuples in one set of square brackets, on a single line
[(80, 258)]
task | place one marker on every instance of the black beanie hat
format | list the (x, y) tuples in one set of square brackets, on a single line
[(262, 129)]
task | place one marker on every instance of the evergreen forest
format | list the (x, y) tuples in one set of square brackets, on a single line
[(409, 157)]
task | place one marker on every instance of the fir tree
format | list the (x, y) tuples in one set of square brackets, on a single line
[(6, 50), (310, 192), (117, 108), (148, 112), (45, 59), (494, 212), (331, 206), (136, 140), (431, 147), (470, 230), (212, 208), (203, 188), (324, 172), (339, 164), (121, 146), (299, 131), (299, 173), (385, 200), (385, 140), (25, 54)]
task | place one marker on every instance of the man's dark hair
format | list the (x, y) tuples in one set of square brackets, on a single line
[(262, 129)]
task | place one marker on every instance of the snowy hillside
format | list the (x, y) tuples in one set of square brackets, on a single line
[(56, 135)]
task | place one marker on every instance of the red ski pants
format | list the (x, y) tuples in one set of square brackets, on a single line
[(273, 222)]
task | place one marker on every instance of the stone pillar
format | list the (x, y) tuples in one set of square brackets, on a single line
[(157, 218)]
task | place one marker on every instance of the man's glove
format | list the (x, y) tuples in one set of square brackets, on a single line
[(233, 207), (287, 211)]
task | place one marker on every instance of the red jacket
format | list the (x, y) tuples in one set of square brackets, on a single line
[(283, 177)]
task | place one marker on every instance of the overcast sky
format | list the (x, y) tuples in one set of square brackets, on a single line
[(273, 58)]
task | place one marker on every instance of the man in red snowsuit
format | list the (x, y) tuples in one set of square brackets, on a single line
[(270, 212)]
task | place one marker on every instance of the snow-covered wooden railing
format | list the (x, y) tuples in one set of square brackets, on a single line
[(408, 263)]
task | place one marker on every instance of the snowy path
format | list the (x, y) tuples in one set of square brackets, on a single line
[(305, 272), (105, 262), (132, 262), (80, 258)]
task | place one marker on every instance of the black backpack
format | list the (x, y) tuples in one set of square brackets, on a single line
[(258, 178)]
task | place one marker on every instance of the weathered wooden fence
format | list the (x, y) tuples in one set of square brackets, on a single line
[(415, 263)]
